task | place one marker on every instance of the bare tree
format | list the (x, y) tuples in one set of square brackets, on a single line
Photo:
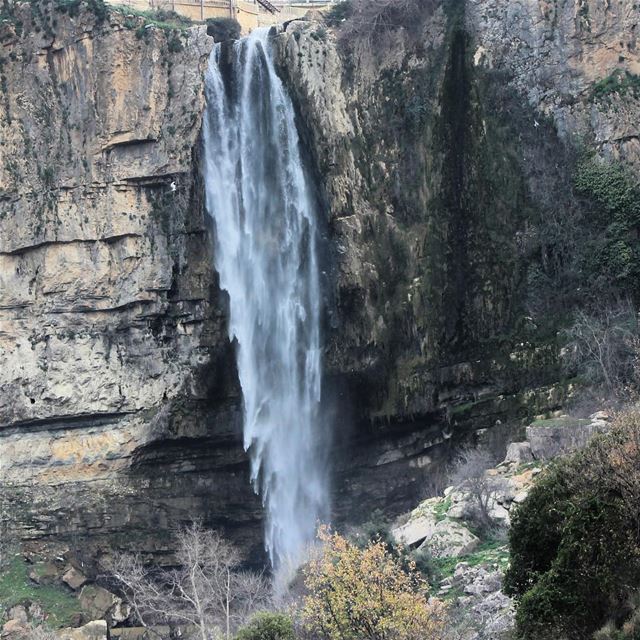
[(603, 345), (470, 471), (208, 592)]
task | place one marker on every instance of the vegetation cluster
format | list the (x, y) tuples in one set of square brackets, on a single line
[(347, 590), (575, 543)]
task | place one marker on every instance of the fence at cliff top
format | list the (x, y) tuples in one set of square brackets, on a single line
[(251, 14)]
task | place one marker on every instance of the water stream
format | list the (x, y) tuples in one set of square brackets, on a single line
[(266, 253)]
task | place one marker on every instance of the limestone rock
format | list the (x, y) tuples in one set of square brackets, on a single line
[(18, 613), (519, 452), (420, 525), (450, 539), (96, 630), (552, 438), (14, 630), (491, 611), (415, 531), (478, 580), (74, 578), (110, 316), (99, 602)]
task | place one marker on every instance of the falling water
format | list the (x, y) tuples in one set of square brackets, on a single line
[(266, 255)]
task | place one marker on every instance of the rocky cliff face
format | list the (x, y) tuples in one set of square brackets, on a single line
[(118, 400), (437, 155), (444, 153)]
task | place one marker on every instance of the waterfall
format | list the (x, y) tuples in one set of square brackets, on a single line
[(266, 255)]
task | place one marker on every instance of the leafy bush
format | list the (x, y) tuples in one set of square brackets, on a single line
[(628, 630), (174, 44), (222, 29), (586, 249), (575, 541), (267, 626), (160, 18), (358, 594), (612, 254)]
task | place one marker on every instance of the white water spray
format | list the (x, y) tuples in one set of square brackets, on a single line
[(266, 254)]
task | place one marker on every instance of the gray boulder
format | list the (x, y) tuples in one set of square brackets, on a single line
[(451, 540), (519, 453)]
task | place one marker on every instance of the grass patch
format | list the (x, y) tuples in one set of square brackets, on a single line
[(440, 510), (490, 552), (59, 606), (527, 466), (463, 408), (168, 20)]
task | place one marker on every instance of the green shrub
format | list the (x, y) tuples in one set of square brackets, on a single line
[(223, 29), (159, 18), (319, 35), (575, 541), (619, 82), (99, 9), (629, 629), (267, 626), (175, 44), (612, 253)]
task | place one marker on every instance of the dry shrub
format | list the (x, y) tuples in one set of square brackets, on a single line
[(208, 591), (372, 24)]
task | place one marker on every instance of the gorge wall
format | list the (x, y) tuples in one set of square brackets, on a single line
[(438, 153)]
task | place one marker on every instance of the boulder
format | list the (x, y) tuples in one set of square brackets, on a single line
[(499, 514), (478, 580), (14, 629), (18, 613), (484, 601), (96, 630), (415, 531), (313, 15), (450, 540), (521, 496), (519, 453), (100, 603), (552, 438), (45, 573), (74, 578)]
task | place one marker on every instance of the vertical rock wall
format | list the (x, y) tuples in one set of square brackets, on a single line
[(118, 400)]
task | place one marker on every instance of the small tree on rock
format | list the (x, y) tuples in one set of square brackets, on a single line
[(470, 472)]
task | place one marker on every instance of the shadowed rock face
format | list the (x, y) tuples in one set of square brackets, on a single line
[(437, 156), (119, 402)]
